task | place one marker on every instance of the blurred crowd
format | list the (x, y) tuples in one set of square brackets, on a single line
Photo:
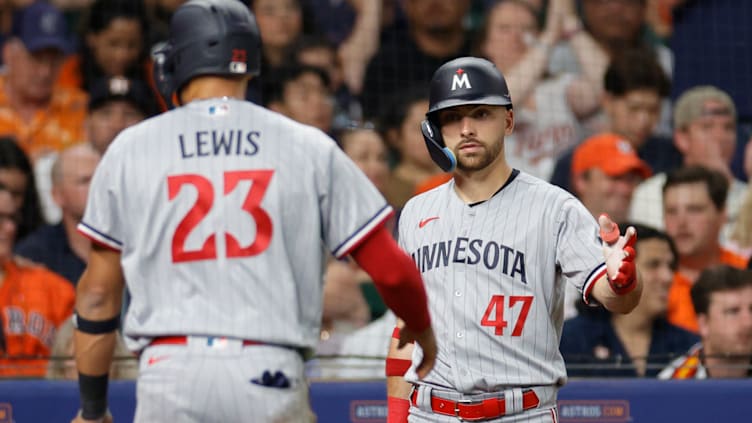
[(640, 108)]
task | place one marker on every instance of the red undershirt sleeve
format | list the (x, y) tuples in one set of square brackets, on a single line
[(396, 278)]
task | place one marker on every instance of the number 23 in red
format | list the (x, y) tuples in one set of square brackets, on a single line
[(204, 202), (496, 306)]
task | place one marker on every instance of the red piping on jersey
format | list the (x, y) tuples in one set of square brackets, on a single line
[(395, 276), (590, 284)]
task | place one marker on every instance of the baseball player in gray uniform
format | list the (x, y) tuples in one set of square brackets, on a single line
[(496, 247), (216, 215)]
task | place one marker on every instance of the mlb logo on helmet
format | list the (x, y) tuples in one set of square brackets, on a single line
[(460, 80)]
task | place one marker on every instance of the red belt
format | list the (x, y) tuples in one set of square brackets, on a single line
[(183, 340), (469, 410)]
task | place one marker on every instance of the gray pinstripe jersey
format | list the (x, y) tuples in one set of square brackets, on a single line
[(495, 275), (219, 210)]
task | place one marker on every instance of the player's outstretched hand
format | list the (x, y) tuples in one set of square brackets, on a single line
[(619, 254), (427, 342)]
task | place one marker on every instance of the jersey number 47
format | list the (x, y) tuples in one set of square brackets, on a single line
[(494, 315)]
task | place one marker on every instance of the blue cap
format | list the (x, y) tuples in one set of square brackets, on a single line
[(41, 26)]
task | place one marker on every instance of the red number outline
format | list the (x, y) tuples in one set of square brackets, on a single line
[(259, 183), (497, 322), (204, 202), (199, 210)]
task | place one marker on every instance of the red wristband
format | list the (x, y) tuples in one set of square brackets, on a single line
[(397, 366), (396, 334), (399, 409)]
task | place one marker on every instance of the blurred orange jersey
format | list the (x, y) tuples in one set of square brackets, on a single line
[(52, 129), (34, 303), (681, 312)]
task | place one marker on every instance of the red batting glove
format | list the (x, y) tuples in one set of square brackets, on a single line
[(620, 254)]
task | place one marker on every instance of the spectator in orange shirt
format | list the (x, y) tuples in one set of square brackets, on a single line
[(34, 302), (42, 117), (694, 212)]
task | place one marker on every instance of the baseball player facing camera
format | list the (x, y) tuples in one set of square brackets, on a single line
[(214, 213), (495, 247)]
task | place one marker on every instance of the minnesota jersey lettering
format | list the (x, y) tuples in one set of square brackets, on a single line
[(495, 274), (490, 254), (219, 142)]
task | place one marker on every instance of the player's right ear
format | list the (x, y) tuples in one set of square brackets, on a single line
[(163, 72)]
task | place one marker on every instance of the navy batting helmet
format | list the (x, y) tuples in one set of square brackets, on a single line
[(466, 80), (207, 37)]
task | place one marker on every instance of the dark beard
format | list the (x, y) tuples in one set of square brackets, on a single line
[(488, 156)]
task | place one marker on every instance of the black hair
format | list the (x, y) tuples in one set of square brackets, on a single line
[(716, 184), (717, 279), (400, 104), (635, 69), (13, 157), (274, 85), (98, 17)]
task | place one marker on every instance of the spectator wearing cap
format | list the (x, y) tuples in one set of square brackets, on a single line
[(705, 135), (114, 104), (112, 44), (634, 85), (43, 117), (60, 247), (605, 172)]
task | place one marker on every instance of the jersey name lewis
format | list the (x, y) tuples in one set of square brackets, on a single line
[(231, 142), (476, 252)]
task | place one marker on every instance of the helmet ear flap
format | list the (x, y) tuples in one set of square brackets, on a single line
[(440, 154), (164, 71)]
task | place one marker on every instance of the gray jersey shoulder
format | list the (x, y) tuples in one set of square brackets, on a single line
[(224, 205)]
